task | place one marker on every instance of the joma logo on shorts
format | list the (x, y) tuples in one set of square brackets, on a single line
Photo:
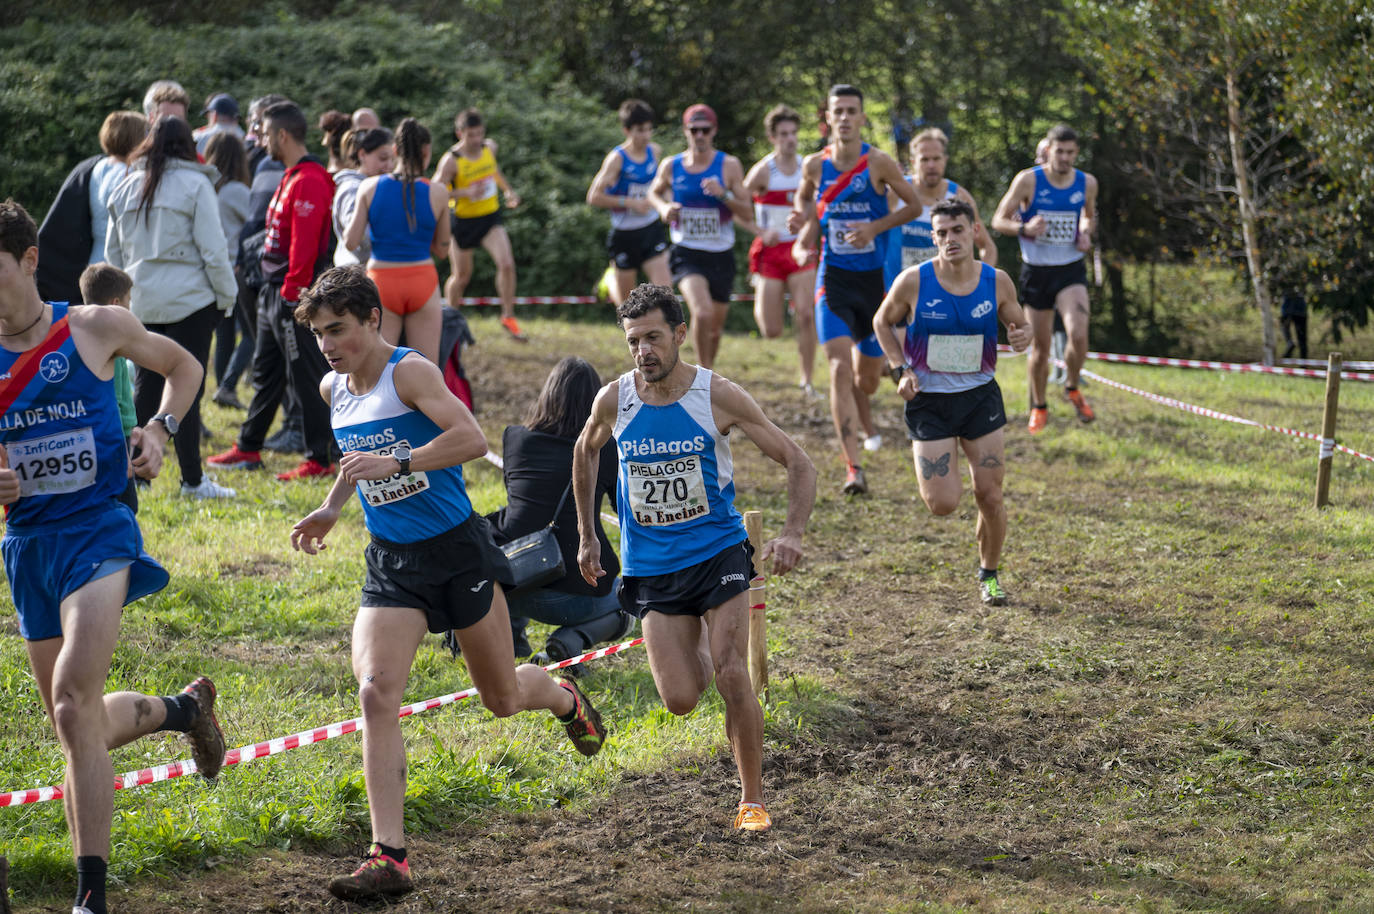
[(727, 578)]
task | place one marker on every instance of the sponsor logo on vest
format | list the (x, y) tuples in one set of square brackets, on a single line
[(356, 442), (982, 309), (28, 418), (1077, 197), (650, 447), (54, 367)]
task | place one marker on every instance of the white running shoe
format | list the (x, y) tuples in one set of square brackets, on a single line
[(208, 488), (873, 442)]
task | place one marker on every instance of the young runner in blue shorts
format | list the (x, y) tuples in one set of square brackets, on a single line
[(685, 557), (73, 553)]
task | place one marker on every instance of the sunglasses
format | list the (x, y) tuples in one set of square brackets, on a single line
[(700, 131)]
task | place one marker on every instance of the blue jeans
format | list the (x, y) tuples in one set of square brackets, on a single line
[(582, 620)]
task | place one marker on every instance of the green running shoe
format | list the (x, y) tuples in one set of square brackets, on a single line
[(992, 592)]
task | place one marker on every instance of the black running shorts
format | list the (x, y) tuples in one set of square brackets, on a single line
[(629, 248), (968, 414), (717, 266), (468, 233), (449, 577), (694, 590), (1040, 285)]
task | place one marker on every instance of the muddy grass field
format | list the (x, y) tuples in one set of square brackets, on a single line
[(1173, 713)]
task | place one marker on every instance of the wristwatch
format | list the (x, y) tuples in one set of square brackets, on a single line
[(401, 453), (169, 422), (896, 372)]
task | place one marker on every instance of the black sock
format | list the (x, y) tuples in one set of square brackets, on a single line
[(985, 573), (395, 853), (90, 884), (1041, 406), (182, 711), (571, 715), (1068, 388)]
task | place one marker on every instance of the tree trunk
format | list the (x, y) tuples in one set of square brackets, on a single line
[(1245, 196)]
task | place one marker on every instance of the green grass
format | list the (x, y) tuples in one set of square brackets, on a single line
[(1187, 632)]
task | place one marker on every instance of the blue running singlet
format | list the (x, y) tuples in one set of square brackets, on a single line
[(951, 342), (843, 202), (704, 223), (1060, 207), (634, 181)]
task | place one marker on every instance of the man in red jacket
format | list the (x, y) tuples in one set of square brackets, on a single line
[(299, 246)]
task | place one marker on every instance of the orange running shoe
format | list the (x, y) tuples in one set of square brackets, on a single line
[(513, 328), (752, 817), (1085, 412), (1039, 418)]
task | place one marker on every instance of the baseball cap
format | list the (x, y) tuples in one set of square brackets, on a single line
[(222, 104), (699, 112)]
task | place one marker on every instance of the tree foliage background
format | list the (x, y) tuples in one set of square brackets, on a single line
[(1144, 82)]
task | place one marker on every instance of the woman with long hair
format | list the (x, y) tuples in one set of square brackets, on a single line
[(402, 215), (537, 458), (333, 125), (165, 232), (226, 152), (366, 153)]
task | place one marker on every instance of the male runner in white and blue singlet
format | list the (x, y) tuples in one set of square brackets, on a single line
[(685, 557), (1053, 208), (637, 240), (73, 552), (944, 369), (431, 565), (843, 195)]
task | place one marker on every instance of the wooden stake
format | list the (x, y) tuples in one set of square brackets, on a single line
[(4, 886), (1333, 395), (758, 618)]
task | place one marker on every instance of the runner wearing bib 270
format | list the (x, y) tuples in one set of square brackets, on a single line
[(1053, 208), (944, 369), (700, 194), (685, 557), (431, 565), (843, 197), (637, 240), (73, 553)]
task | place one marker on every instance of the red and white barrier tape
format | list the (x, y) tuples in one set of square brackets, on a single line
[(1327, 445), (756, 587), (1318, 363), (1242, 367), (562, 300), (282, 744)]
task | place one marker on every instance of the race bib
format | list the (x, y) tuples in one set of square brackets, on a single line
[(772, 216), (694, 224), (668, 492), (394, 488), (1062, 227), (913, 257), (484, 188), (637, 191), (954, 354), (55, 465), (838, 245)]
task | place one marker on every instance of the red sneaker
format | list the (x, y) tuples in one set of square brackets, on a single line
[(1039, 418), (1085, 412), (307, 470), (512, 326), (235, 459)]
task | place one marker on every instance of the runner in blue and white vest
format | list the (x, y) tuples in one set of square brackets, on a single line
[(73, 553), (637, 240), (910, 244), (700, 194), (843, 197), (686, 562), (431, 566), (1053, 209), (951, 306)]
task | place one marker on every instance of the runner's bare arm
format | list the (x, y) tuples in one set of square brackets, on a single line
[(438, 199), (987, 251), (308, 533), (9, 479), (1006, 219), (661, 192), (421, 387), (894, 312), (586, 456), (755, 185), (883, 167), (357, 226), (804, 202), (1087, 219), (512, 198), (1011, 314), (606, 176), (734, 408), (444, 174), (736, 196)]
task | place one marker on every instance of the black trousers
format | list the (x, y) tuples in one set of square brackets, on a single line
[(286, 355), (194, 334)]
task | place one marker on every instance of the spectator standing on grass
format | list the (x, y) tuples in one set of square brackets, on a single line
[(221, 116), (73, 554), (298, 246), (431, 565), (226, 154), (120, 136), (165, 232), (367, 152), (537, 471), (403, 217), (1293, 318)]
